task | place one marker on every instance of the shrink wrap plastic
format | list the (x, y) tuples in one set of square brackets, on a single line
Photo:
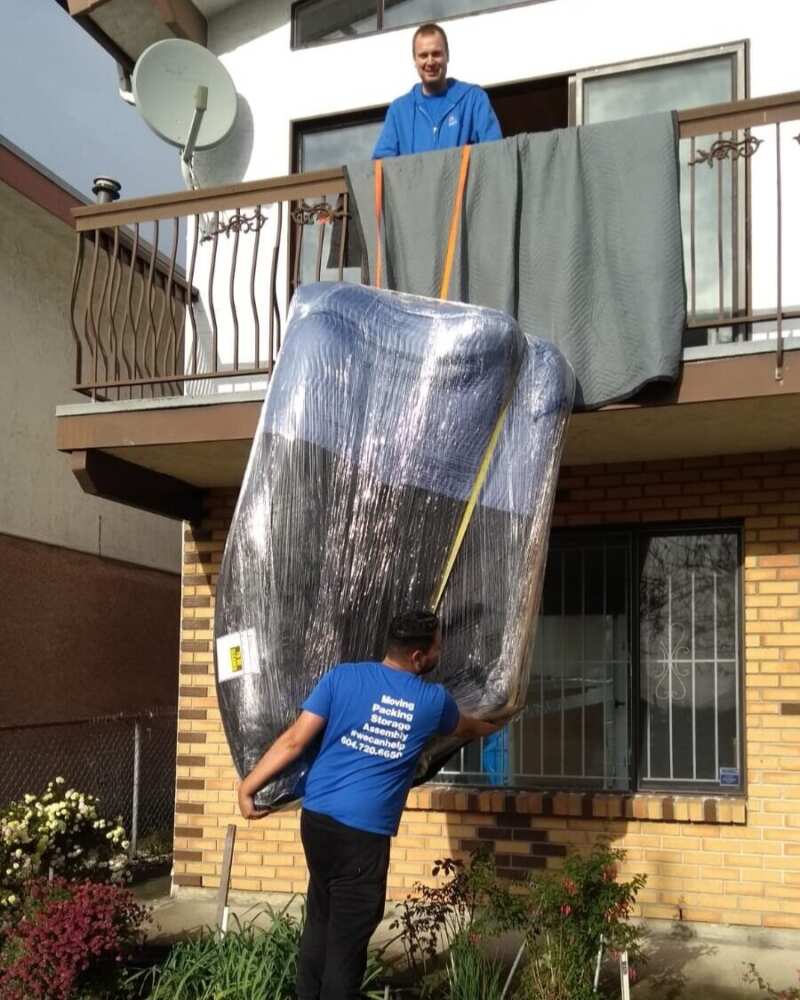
[(377, 419)]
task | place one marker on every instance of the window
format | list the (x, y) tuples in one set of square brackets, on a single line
[(713, 202), (689, 659), (315, 21), (332, 142), (636, 677), (318, 144)]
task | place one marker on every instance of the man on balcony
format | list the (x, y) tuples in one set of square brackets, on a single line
[(437, 113)]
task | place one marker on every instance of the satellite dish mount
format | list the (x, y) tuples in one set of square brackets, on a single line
[(200, 106)]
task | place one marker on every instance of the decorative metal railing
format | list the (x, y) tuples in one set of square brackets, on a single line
[(145, 326), (735, 162), (176, 292)]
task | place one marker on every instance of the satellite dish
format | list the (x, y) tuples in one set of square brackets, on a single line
[(185, 95)]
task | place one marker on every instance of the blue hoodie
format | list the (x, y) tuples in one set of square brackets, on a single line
[(463, 116)]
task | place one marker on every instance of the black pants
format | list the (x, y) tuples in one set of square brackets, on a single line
[(346, 899)]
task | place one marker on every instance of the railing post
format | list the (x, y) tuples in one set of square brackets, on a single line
[(137, 750)]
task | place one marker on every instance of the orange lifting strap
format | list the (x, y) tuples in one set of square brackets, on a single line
[(455, 219)]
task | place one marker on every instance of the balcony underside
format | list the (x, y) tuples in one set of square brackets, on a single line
[(163, 454)]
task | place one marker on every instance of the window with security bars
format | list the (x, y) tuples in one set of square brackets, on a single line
[(636, 672), (689, 660)]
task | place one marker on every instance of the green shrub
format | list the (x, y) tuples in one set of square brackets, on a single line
[(453, 918), (572, 909), (61, 832)]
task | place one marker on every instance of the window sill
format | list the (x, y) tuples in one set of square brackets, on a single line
[(586, 805)]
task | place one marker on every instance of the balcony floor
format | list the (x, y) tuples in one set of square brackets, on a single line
[(728, 405)]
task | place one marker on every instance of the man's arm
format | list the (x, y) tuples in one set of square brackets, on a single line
[(287, 748), (470, 728), (487, 127), (388, 143)]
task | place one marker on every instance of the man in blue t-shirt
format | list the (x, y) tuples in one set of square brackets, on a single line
[(436, 113), (373, 720)]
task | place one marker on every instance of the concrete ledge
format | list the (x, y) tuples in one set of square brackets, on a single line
[(160, 403)]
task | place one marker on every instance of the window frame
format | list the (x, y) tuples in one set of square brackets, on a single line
[(295, 45), (739, 51), (300, 127), (636, 533)]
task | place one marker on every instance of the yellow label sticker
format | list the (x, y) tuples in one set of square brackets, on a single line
[(237, 655)]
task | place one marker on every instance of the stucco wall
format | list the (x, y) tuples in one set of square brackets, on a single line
[(553, 38)]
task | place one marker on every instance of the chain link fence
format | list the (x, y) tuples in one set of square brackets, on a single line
[(128, 762)]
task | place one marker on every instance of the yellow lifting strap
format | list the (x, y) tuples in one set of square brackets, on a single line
[(469, 509)]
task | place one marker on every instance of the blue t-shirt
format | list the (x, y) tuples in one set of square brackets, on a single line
[(378, 721)]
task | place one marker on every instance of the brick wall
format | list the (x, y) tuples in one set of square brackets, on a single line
[(719, 860)]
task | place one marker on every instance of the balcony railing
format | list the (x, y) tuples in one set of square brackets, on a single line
[(178, 293)]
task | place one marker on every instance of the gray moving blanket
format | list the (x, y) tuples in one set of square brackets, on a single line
[(576, 233)]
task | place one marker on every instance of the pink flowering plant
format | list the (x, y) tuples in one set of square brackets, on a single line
[(574, 909), (69, 942), (60, 832)]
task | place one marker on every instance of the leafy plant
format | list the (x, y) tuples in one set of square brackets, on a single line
[(60, 832), (247, 961), (453, 917), (754, 978), (69, 941), (574, 908), (469, 972)]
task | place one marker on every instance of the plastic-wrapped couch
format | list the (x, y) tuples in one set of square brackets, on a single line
[(379, 415)]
